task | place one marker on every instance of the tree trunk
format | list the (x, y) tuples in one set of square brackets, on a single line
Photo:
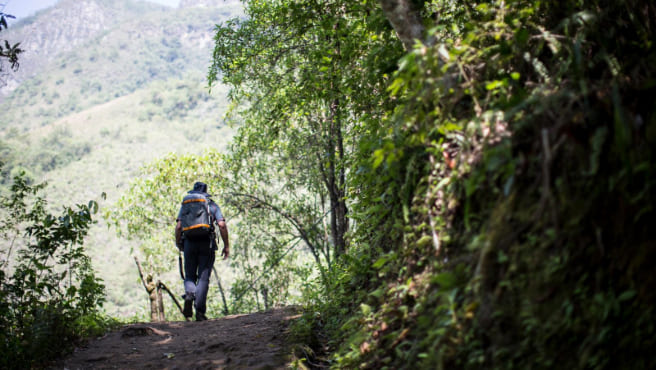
[(152, 296), (160, 301), (265, 297), (151, 289), (337, 182), (405, 18)]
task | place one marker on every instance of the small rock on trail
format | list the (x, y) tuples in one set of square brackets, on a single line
[(254, 341)]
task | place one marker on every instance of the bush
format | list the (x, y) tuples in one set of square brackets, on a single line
[(49, 295)]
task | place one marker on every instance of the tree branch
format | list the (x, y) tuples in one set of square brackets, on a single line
[(143, 281), (405, 19)]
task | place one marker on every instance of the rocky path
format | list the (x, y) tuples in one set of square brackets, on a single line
[(255, 341)]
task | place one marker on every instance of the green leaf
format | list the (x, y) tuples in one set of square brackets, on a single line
[(493, 85), (521, 36), (502, 257), (625, 296), (379, 157), (446, 280), (424, 241), (378, 293), (381, 262)]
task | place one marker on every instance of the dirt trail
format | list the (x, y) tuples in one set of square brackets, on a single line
[(255, 341)]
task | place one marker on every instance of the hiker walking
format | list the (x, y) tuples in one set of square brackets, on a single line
[(195, 236)]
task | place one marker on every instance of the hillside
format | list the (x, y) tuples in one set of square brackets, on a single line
[(103, 88), (89, 59)]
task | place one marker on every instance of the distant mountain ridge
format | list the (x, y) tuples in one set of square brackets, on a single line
[(206, 3), (74, 24), (61, 28), (91, 51)]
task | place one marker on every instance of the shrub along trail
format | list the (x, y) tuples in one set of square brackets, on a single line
[(254, 341)]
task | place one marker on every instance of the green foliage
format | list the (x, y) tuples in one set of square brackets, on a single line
[(176, 104), (502, 208), (49, 293), (297, 85), (59, 149), (264, 262)]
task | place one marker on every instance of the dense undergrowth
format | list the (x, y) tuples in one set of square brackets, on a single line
[(504, 219), (50, 298)]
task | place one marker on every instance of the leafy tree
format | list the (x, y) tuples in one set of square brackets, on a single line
[(50, 297), (304, 76)]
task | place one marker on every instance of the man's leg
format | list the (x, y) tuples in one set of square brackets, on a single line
[(205, 264), (190, 266)]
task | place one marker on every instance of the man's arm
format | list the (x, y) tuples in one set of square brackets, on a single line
[(223, 230), (178, 235)]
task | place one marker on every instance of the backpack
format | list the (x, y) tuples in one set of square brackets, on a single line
[(195, 216)]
